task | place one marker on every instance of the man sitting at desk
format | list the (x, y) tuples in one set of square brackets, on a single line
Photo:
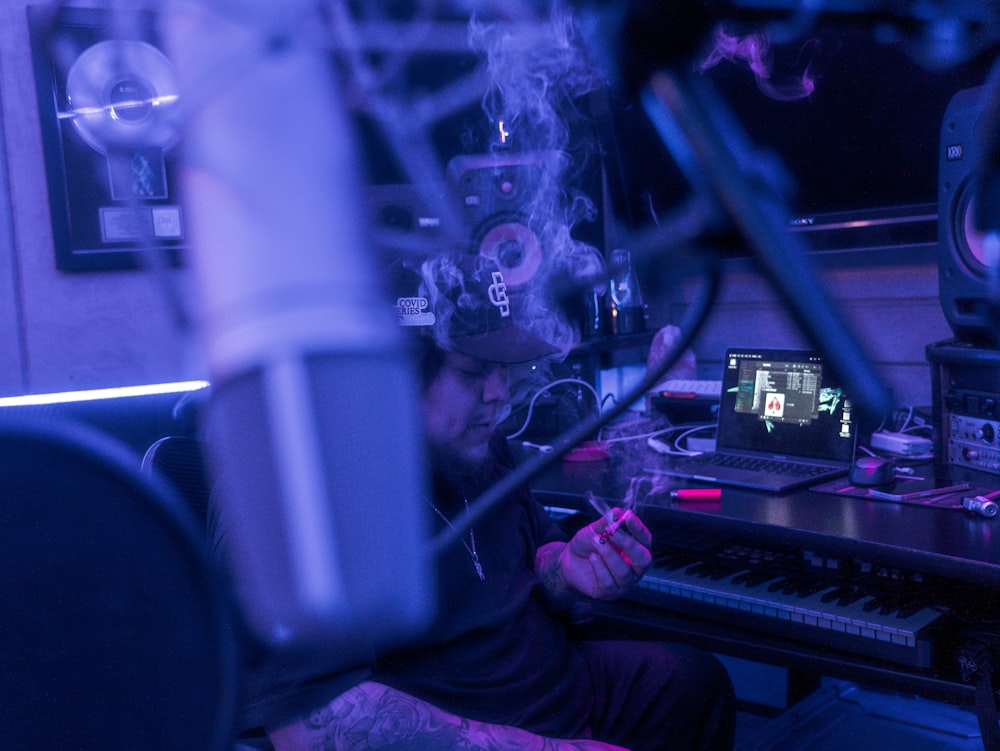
[(496, 669)]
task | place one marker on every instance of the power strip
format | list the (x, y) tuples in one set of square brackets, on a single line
[(900, 444)]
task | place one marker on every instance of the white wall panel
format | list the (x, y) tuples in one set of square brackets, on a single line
[(894, 312), (81, 330)]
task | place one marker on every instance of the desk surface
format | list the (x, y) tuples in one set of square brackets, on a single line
[(943, 541)]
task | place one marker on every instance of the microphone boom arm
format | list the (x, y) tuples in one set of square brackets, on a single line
[(762, 217)]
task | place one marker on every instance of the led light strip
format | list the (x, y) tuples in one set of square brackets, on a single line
[(63, 397)]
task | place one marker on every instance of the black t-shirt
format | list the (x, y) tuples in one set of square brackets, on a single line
[(496, 650)]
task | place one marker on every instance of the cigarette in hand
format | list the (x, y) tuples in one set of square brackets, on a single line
[(602, 508)]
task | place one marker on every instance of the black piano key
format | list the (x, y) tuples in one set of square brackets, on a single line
[(754, 578), (851, 595), (908, 609), (701, 568), (674, 561), (777, 584), (792, 586), (809, 587), (833, 594), (725, 570)]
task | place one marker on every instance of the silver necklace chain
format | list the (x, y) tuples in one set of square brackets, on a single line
[(472, 538)]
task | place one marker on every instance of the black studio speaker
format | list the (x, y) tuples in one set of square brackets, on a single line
[(498, 195), (969, 272), (539, 216), (530, 212)]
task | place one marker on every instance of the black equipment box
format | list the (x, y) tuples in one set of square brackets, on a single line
[(965, 381)]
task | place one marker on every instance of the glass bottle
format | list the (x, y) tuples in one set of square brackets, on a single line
[(594, 312), (626, 313)]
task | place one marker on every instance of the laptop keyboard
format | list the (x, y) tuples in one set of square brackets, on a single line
[(755, 464)]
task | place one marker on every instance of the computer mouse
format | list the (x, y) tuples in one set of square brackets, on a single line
[(872, 470)]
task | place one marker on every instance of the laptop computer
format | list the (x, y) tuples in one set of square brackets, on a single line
[(783, 423)]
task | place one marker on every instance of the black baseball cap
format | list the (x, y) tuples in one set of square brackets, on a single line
[(469, 310)]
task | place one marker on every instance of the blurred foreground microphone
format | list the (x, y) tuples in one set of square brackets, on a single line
[(312, 422)]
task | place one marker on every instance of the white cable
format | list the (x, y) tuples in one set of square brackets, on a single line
[(685, 434), (544, 389), (687, 429)]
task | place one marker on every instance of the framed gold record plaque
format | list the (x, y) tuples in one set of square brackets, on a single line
[(108, 105)]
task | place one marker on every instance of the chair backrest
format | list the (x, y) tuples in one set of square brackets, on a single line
[(181, 461), (117, 631)]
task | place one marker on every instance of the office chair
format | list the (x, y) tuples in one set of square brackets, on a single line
[(116, 630), (181, 461)]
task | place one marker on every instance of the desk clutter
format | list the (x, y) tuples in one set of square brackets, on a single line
[(917, 489)]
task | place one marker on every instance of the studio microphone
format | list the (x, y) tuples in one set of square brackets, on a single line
[(312, 423)]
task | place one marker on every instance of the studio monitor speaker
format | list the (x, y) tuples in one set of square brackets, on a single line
[(498, 196), (528, 211), (969, 273)]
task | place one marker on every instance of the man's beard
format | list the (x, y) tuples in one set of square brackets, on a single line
[(470, 476)]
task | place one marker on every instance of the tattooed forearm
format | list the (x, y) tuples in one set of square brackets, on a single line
[(374, 716), (547, 570)]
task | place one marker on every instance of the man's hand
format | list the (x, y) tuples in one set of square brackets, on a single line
[(664, 345), (605, 560)]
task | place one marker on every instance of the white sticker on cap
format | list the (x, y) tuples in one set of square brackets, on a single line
[(498, 294), (412, 311)]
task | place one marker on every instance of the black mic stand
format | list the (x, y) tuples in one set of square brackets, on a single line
[(688, 107)]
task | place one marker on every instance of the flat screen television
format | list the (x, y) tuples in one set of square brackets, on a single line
[(861, 148)]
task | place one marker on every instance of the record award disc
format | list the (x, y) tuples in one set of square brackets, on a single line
[(123, 94)]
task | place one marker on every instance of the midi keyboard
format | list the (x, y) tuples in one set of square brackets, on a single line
[(843, 604)]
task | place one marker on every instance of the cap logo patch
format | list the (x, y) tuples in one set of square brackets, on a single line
[(498, 294), (412, 311)]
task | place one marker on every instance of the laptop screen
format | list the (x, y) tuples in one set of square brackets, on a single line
[(784, 402)]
